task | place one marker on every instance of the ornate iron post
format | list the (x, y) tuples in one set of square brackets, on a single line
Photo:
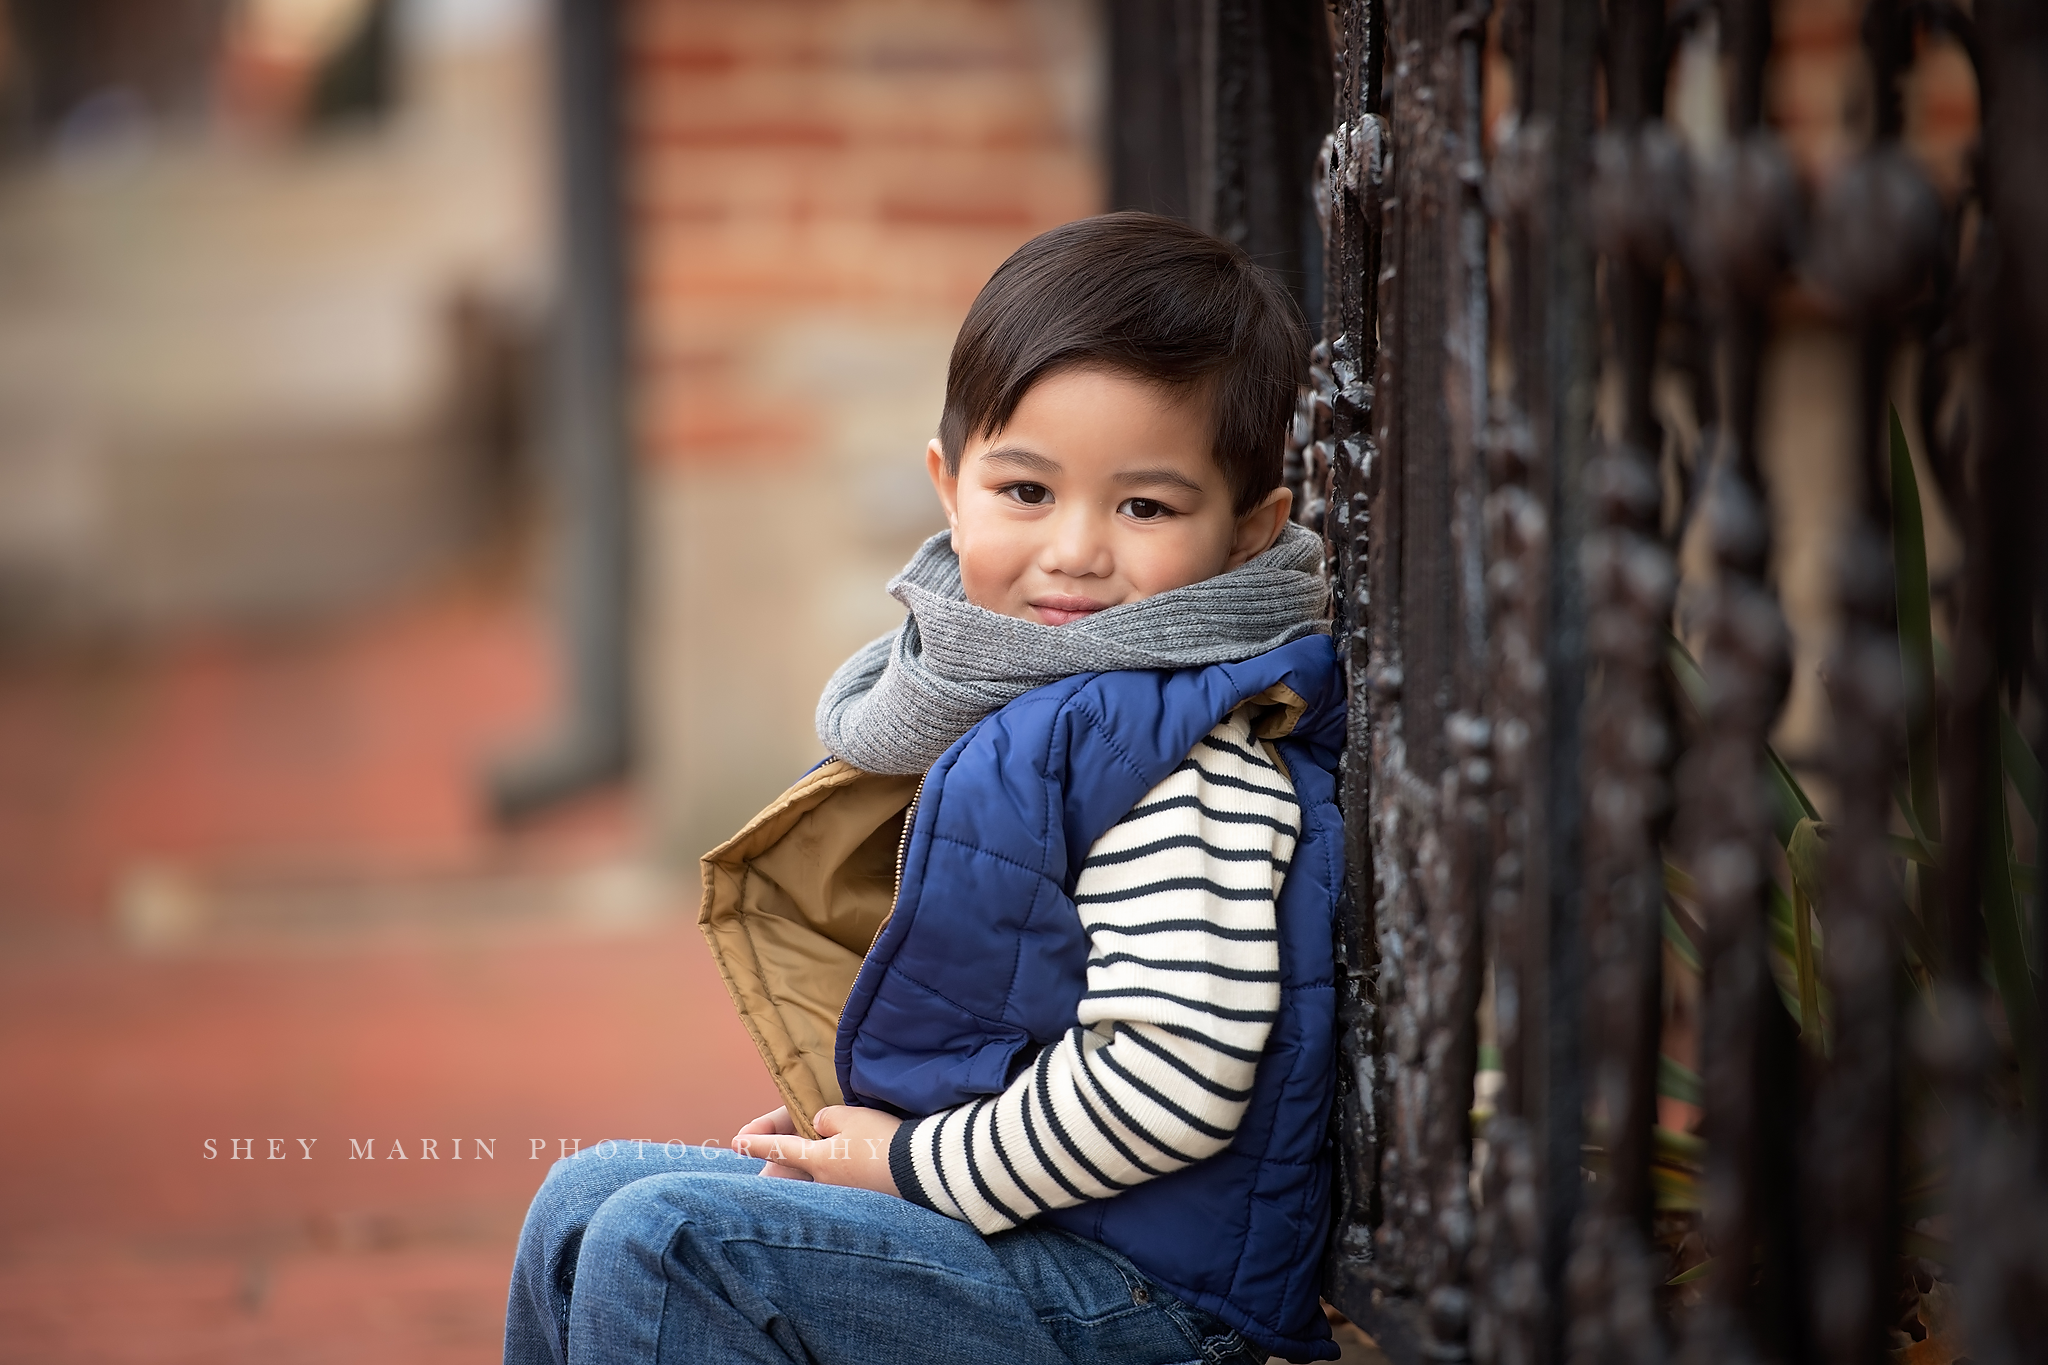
[(1517, 778), (1406, 493), (1338, 461)]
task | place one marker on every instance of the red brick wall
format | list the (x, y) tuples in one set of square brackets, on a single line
[(1820, 99), (874, 156), (819, 188)]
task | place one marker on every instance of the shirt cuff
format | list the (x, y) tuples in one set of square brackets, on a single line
[(903, 1168)]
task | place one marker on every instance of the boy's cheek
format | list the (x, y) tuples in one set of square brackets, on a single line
[(989, 573), (1173, 557)]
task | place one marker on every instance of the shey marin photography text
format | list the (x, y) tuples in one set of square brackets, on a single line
[(486, 1149)]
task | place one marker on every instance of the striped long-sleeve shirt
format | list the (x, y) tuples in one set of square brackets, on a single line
[(1178, 900)]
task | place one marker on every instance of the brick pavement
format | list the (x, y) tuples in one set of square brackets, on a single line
[(122, 1241), (352, 745), (338, 945)]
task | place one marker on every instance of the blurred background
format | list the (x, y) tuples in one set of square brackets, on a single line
[(445, 445)]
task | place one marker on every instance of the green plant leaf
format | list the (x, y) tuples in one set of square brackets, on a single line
[(1916, 635), (1677, 1191), (1679, 1149), (1944, 662), (1806, 853), (1918, 939), (1784, 955), (1789, 801), (1677, 1081), (1679, 882), (1692, 683), (1913, 850), (1688, 1276), (2020, 765), (2006, 940), (1680, 941), (1902, 797)]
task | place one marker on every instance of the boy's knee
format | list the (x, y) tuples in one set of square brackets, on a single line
[(571, 1191), (640, 1220), (673, 1204), (564, 1181)]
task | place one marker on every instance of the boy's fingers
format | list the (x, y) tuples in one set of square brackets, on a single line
[(776, 1149), (826, 1120), (773, 1122)]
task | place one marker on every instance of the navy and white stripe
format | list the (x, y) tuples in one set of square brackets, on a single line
[(1183, 986)]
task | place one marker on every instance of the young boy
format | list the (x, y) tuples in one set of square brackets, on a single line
[(1040, 957)]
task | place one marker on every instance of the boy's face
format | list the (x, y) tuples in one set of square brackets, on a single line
[(1101, 490)]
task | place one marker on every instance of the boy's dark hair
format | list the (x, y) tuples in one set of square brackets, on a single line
[(1146, 296)]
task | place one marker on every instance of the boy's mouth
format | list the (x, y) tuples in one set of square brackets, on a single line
[(1058, 611)]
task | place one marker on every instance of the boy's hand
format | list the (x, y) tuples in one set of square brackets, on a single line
[(769, 1137), (853, 1151)]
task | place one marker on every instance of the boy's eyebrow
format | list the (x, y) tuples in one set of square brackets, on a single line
[(1144, 477), (1017, 457), (1020, 458)]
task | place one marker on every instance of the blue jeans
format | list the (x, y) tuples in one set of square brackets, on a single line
[(635, 1252)]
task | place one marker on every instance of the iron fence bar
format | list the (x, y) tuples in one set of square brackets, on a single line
[(1739, 229), (1997, 1183), (1217, 108), (1469, 792), (1537, 511), (1555, 370), (1340, 469), (1514, 1317), (2013, 492), (1149, 151), (1876, 228), (1513, 1308), (1630, 579), (1405, 483)]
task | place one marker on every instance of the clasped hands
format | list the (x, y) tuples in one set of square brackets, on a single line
[(852, 1148)]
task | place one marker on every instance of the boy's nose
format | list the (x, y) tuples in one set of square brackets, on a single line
[(1078, 545)]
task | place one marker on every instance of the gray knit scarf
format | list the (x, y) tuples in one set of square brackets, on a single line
[(902, 700)]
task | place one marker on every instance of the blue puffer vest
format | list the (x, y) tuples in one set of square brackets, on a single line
[(984, 961)]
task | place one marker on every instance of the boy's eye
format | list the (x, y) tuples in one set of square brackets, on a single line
[(1145, 509), (1030, 494)]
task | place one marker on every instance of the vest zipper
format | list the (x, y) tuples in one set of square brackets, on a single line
[(903, 846), (902, 853)]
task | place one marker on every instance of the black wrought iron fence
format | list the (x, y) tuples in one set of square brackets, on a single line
[(1555, 802)]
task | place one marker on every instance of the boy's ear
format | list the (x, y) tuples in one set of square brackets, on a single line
[(1260, 527), (946, 485)]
